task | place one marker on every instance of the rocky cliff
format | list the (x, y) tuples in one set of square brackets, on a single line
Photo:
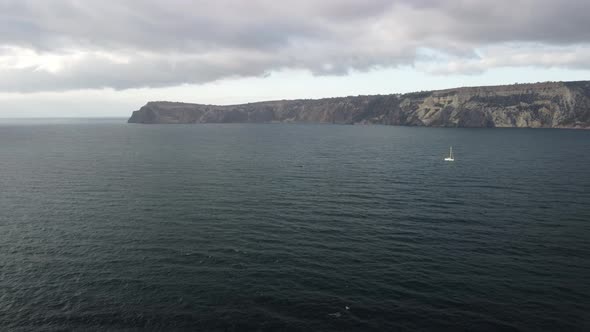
[(538, 105)]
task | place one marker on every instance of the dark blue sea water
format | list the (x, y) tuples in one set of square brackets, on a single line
[(244, 227)]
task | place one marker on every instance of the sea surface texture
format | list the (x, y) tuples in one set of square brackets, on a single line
[(249, 227)]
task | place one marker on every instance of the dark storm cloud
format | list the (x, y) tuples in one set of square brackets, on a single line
[(127, 44)]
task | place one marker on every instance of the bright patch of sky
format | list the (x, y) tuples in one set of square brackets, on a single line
[(278, 85)]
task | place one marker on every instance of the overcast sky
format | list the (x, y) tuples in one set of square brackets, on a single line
[(109, 57)]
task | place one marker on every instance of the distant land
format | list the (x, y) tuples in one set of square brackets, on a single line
[(536, 105)]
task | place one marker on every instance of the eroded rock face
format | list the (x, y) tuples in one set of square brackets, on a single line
[(539, 105)]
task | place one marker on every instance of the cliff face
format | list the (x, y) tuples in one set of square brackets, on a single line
[(539, 105)]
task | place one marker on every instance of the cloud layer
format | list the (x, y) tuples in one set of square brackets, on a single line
[(58, 45)]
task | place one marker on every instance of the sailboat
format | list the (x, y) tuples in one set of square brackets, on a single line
[(450, 157)]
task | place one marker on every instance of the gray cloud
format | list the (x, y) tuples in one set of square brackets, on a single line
[(128, 44)]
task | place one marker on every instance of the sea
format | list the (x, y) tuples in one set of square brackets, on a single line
[(109, 226)]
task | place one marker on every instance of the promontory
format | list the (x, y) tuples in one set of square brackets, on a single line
[(535, 105)]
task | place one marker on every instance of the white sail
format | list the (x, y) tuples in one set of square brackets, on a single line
[(450, 157)]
